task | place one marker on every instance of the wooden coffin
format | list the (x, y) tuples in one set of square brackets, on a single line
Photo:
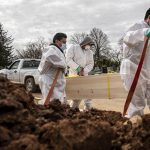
[(105, 86)]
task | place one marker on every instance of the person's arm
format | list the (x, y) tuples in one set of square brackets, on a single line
[(134, 35), (147, 33), (69, 59), (54, 58), (90, 64)]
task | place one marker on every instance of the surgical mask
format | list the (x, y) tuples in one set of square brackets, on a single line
[(87, 47), (63, 46)]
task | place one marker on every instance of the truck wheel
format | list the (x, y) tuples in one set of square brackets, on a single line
[(30, 84)]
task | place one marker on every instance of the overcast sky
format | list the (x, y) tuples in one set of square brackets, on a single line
[(26, 20)]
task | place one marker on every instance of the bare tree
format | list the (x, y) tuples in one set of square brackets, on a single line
[(102, 47), (120, 43), (115, 55), (77, 38), (33, 49)]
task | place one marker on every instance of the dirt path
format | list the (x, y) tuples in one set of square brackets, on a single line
[(111, 104)]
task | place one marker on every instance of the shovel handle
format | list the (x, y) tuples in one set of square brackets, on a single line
[(51, 88)]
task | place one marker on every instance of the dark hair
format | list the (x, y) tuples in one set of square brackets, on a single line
[(147, 14), (59, 36)]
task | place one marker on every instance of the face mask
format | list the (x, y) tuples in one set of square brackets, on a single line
[(87, 47), (63, 46)]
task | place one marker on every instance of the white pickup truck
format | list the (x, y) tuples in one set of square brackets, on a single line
[(23, 71)]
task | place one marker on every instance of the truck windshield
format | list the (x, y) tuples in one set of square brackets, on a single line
[(31, 64), (14, 65)]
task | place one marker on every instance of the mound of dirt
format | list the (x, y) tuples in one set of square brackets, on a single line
[(27, 126)]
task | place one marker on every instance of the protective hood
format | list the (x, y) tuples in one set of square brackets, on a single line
[(86, 41)]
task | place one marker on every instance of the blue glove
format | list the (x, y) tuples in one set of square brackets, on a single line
[(147, 33)]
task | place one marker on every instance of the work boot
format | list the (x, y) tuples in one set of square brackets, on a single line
[(75, 103), (87, 104)]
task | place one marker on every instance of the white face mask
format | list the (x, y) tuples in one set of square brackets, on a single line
[(87, 47), (63, 46)]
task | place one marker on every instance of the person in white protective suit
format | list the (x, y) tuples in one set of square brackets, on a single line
[(132, 51), (53, 59), (80, 61)]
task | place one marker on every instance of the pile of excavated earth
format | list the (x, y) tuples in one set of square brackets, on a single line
[(27, 126)]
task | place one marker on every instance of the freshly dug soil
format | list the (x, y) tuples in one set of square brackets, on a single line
[(27, 126)]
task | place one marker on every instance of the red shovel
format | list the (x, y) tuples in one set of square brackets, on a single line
[(136, 77), (51, 89)]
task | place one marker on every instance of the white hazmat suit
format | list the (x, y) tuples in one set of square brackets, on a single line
[(132, 51), (75, 57), (52, 60)]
